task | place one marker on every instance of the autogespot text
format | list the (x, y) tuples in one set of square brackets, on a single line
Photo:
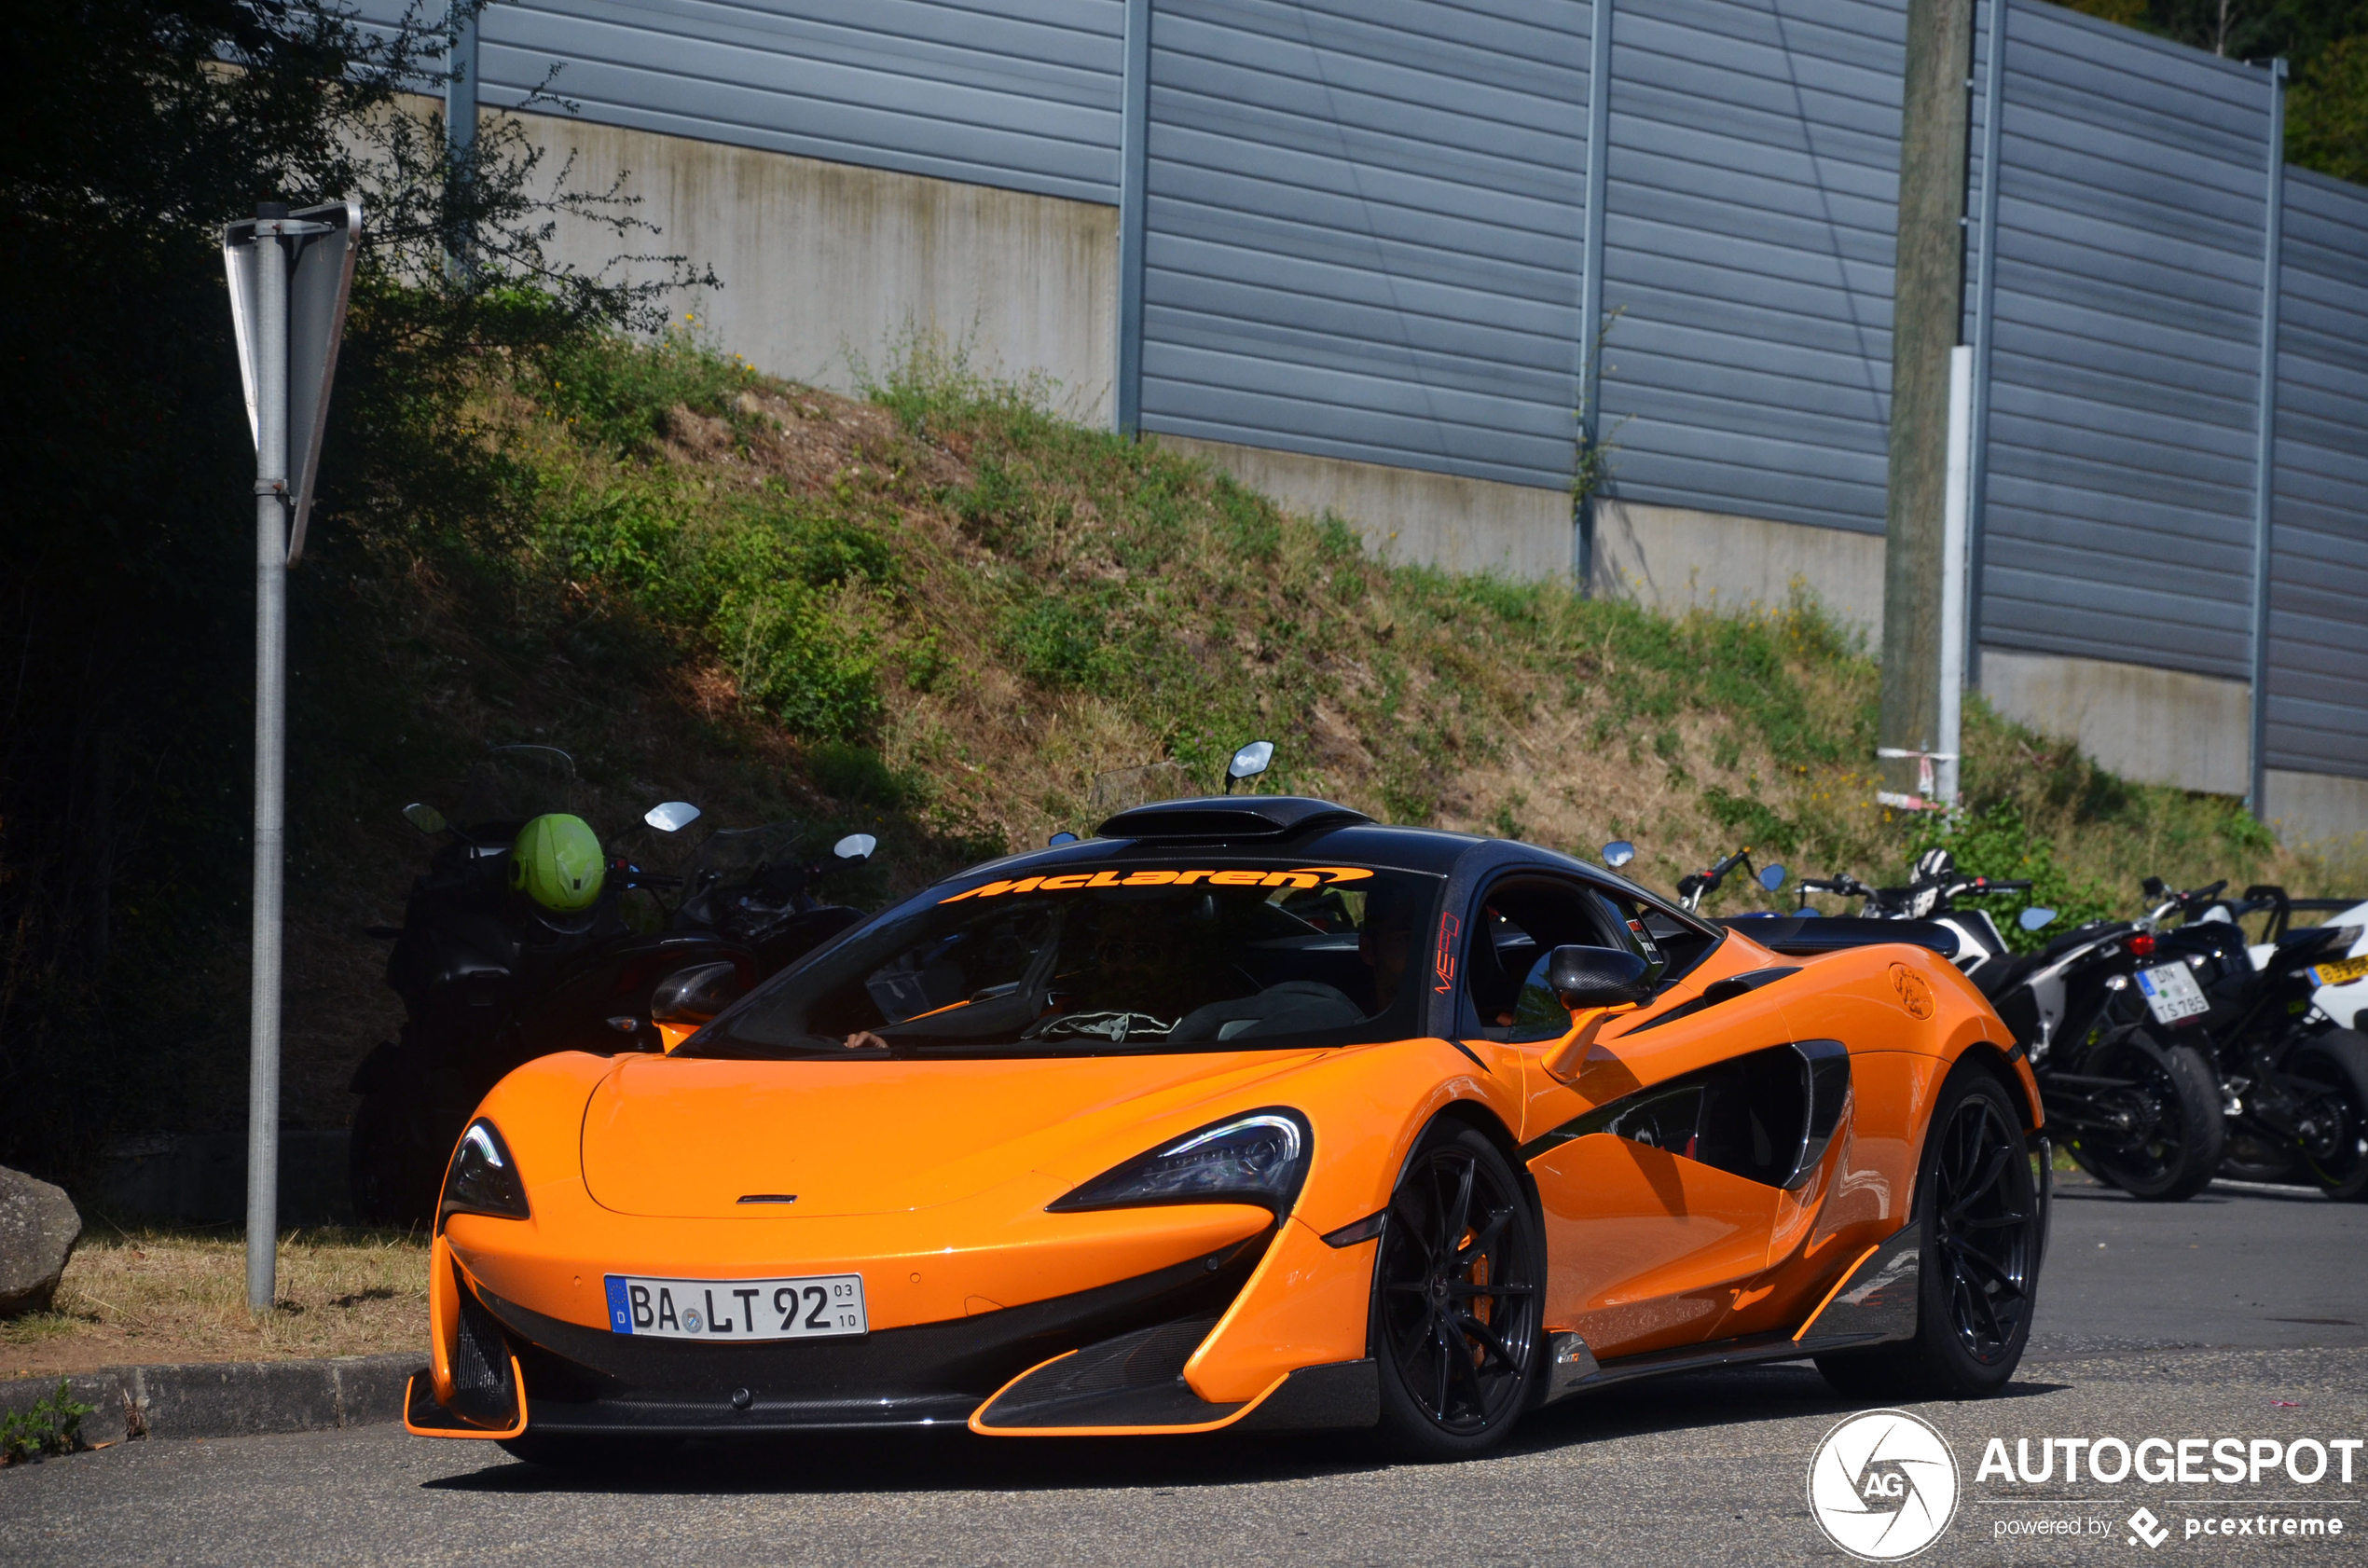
[(2171, 1461)]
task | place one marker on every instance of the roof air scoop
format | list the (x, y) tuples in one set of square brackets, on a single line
[(1229, 818)]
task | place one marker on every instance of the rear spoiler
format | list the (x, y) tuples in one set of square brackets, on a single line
[(1805, 935)]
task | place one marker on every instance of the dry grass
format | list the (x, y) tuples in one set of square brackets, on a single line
[(152, 1294)]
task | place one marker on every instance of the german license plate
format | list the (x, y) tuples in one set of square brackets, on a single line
[(2343, 971), (2172, 992), (816, 1307)]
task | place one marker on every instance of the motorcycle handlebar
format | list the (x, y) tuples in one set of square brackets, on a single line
[(1986, 885), (1843, 883)]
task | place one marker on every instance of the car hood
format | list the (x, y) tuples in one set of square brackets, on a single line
[(678, 1139)]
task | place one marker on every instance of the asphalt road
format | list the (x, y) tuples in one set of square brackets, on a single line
[(2236, 1316)]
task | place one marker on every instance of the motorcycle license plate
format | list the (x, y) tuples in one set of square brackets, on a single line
[(816, 1307), (2172, 992), (2343, 971)]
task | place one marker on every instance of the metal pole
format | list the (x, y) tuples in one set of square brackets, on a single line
[(1953, 586), (2265, 431), (271, 744), (1985, 320), (1590, 290), (461, 124), (1134, 166)]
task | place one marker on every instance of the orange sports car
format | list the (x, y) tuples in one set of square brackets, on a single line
[(1246, 1114)]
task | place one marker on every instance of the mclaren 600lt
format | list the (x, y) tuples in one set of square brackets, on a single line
[(1245, 1114)]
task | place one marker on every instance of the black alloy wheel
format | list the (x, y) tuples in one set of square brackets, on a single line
[(2156, 1132), (2328, 1075), (1985, 1229), (1456, 1298), (1978, 1202)]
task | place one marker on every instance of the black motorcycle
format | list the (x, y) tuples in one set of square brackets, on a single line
[(2296, 1083), (491, 978), (2136, 1109)]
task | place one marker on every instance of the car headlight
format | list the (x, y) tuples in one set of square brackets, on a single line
[(483, 1178), (1258, 1157)]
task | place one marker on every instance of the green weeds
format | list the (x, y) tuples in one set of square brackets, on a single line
[(50, 1425)]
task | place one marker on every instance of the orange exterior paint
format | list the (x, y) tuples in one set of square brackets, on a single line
[(932, 1178)]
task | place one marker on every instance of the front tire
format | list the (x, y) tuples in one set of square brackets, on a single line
[(1978, 1269), (2334, 1138), (1457, 1293)]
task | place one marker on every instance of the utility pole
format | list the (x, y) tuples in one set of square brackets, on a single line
[(1927, 310), (460, 132)]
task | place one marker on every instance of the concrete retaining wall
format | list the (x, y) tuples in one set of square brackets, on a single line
[(1408, 515), (828, 267)]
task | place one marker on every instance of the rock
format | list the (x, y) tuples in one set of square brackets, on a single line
[(38, 1227)]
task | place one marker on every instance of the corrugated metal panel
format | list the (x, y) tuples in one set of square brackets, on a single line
[(1362, 229), (1754, 180), (2124, 375), (2318, 583), (1018, 93)]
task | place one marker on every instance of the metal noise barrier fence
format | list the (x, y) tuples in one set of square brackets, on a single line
[(1451, 235)]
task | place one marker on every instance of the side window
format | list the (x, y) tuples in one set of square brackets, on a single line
[(1518, 923), (1670, 946)]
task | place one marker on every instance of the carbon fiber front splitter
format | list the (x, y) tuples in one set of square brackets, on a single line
[(582, 1379)]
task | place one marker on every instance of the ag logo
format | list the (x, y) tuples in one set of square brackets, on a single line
[(1882, 1485)]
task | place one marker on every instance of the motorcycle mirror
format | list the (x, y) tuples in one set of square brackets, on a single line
[(1773, 878), (2033, 918), (1064, 836), (2153, 888), (857, 847), (1618, 853), (671, 816), (425, 817), (1248, 762), (1251, 760)]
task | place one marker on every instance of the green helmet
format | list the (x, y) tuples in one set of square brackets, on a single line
[(557, 862)]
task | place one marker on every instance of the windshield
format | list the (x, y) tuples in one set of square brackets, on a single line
[(1218, 953)]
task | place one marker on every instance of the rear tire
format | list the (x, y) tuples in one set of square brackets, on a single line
[(2333, 1148), (1977, 1275), (2175, 1132), (1458, 1283)]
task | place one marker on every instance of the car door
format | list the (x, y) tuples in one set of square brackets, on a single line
[(1661, 1161)]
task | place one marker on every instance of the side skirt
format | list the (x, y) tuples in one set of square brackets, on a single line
[(1874, 1304)]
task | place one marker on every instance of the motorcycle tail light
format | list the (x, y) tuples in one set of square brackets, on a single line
[(2142, 945)]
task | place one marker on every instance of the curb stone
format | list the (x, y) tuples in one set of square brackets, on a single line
[(228, 1398)]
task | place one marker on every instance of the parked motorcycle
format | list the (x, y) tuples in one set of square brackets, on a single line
[(528, 936), (2295, 1080), (2137, 1109)]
